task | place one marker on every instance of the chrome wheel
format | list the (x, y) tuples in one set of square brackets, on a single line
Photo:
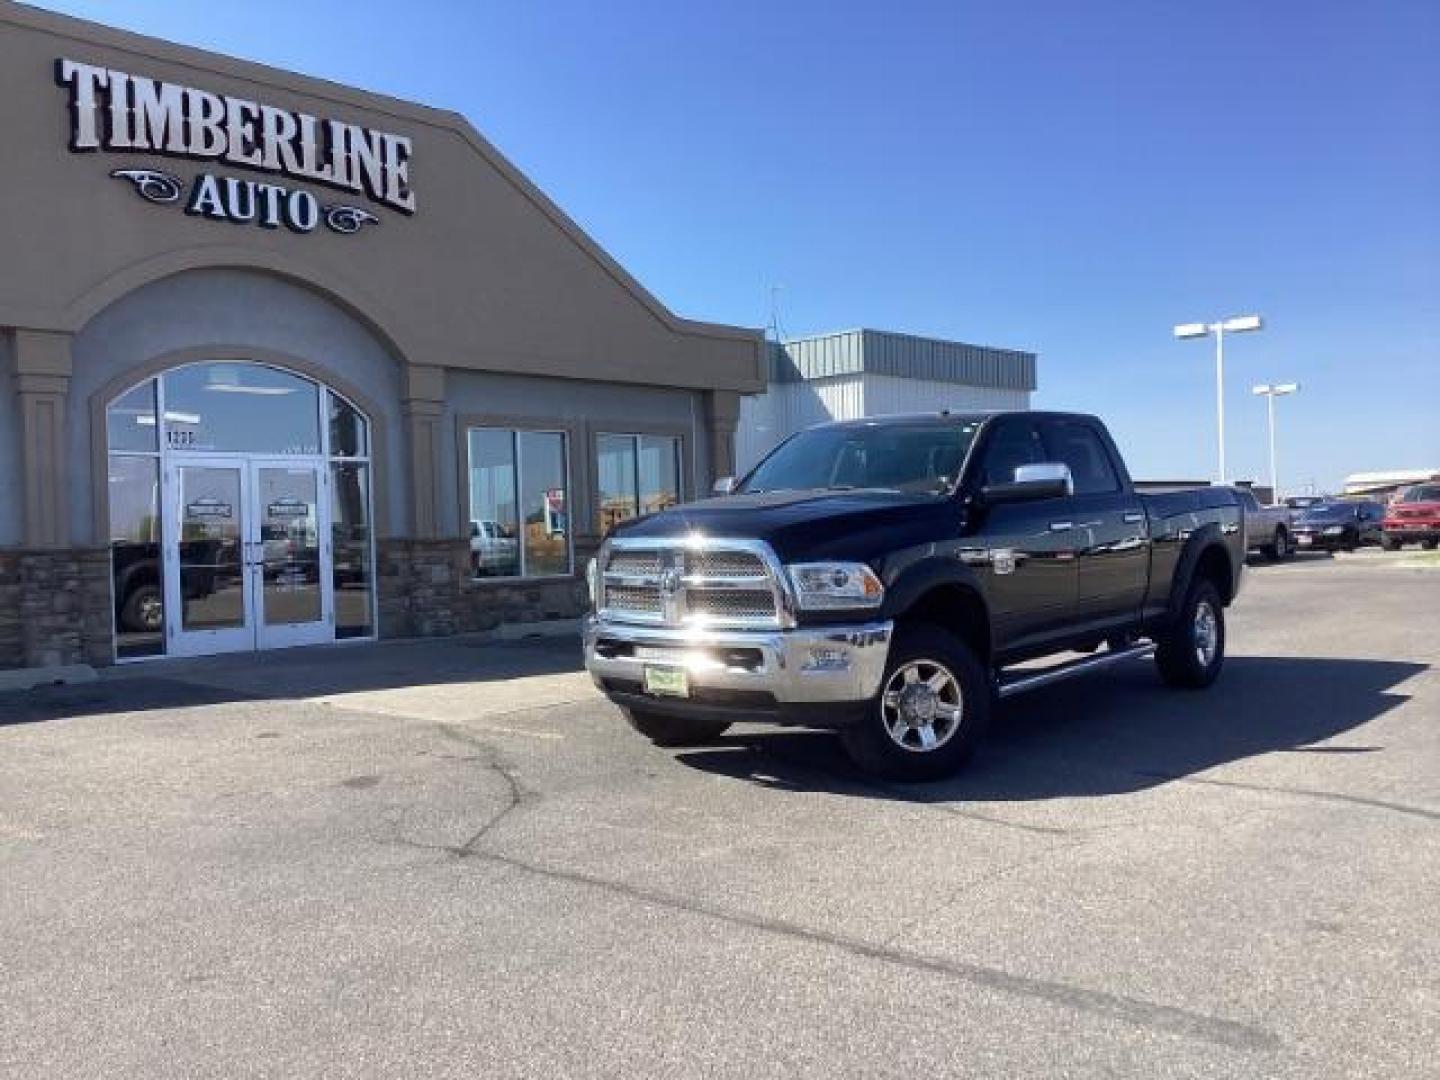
[(1205, 633), (922, 706)]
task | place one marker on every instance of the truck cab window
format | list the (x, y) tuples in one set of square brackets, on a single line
[(1079, 447), (1012, 445)]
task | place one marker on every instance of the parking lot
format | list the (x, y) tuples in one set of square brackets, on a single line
[(453, 859)]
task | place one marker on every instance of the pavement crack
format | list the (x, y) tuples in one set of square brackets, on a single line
[(488, 757), (1146, 1014), (1308, 793)]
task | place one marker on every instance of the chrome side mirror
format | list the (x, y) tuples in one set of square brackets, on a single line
[(1048, 480), (723, 486)]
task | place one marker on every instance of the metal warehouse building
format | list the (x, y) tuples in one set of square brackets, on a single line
[(858, 373), (284, 362)]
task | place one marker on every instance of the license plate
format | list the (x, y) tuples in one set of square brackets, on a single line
[(667, 681), (1305, 541)]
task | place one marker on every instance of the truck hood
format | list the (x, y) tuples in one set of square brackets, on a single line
[(1426, 510), (813, 524)]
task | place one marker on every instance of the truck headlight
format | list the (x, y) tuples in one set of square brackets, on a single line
[(835, 585), (1334, 530)]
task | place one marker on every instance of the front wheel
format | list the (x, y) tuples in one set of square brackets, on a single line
[(932, 709), (675, 730), (1191, 652), (1280, 550), (1390, 543)]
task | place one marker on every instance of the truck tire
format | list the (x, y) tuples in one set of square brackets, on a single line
[(1390, 543), (675, 730), (1191, 652), (932, 709), (1279, 549), (1428, 545), (144, 610)]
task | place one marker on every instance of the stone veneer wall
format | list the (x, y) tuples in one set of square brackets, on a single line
[(55, 608), (426, 590)]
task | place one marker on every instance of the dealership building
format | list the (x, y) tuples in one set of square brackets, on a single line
[(283, 362)]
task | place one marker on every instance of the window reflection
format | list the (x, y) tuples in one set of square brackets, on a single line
[(350, 538), (130, 420), (349, 433), (518, 522), (232, 407), (638, 474), (134, 485)]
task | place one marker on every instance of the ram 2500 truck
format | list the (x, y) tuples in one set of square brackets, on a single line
[(884, 577)]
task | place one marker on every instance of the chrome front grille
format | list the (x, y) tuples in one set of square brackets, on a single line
[(708, 583)]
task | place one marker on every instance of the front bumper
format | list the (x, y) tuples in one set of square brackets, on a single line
[(1305, 540), (810, 675), (1410, 530)]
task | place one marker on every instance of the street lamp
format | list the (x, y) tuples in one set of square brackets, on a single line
[(1238, 325), (1270, 391)]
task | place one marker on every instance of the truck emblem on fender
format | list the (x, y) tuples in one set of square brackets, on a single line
[(1002, 560)]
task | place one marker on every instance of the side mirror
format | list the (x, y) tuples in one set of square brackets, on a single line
[(1051, 480), (723, 486)]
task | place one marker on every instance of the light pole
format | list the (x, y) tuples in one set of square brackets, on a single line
[(1237, 325), (1270, 391)]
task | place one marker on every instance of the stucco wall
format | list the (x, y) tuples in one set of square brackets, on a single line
[(12, 493), (231, 309), (587, 407)]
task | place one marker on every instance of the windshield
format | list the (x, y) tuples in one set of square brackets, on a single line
[(922, 458), (1423, 493), (1329, 510)]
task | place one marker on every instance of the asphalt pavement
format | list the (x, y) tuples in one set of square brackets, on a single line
[(453, 859)]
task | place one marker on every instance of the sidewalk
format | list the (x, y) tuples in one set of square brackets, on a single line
[(433, 677)]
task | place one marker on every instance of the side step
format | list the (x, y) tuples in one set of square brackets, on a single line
[(1023, 682)]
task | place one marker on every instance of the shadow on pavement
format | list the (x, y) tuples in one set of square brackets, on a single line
[(294, 673), (1104, 734)]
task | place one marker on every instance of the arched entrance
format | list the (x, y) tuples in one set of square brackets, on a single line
[(239, 499)]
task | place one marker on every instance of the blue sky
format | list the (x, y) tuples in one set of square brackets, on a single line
[(1068, 178)]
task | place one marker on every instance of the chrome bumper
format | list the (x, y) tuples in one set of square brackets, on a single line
[(806, 665)]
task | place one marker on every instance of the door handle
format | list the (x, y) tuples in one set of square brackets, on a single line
[(1061, 526)]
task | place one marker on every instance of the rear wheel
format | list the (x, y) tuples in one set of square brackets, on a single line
[(675, 730), (932, 709), (1191, 652), (1429, 545)]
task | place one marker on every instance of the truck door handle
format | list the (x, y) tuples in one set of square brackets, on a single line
[(1134, 519), (1061, 526)]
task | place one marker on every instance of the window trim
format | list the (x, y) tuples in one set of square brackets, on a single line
[(569, 432), (685, 465)]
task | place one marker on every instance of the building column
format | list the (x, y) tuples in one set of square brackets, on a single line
[(42, 383), (722, 414), (424, 405)]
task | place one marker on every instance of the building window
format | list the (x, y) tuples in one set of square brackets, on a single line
[(519, 522), (638, 474)]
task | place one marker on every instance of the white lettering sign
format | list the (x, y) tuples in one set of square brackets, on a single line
[(119, 112)]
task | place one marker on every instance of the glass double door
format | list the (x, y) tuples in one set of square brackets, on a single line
[(248, 563)]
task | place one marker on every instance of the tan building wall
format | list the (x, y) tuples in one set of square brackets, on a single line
[(484, 299)]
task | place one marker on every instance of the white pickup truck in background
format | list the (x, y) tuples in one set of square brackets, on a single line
[(1267, 528)]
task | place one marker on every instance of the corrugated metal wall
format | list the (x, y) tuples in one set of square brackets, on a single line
[(788, 407), (879, 352)]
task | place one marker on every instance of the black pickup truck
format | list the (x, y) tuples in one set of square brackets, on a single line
[(884, 577)]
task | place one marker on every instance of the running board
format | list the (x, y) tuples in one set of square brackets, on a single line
[(1023, 683)]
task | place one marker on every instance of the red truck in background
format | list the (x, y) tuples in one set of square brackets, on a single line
[(1413, 518)]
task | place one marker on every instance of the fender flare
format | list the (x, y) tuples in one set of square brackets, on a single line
[(1196, 545), (922, 577)]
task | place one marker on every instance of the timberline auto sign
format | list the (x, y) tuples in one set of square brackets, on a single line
[(119, 113)]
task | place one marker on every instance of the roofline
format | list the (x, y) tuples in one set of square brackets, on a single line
[(908, 336), (88, 32)]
